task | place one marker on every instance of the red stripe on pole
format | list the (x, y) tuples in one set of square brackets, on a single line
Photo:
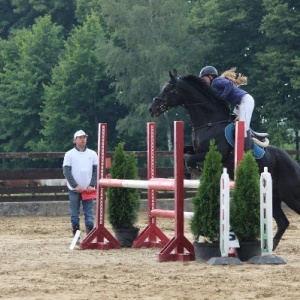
[(239, 142)]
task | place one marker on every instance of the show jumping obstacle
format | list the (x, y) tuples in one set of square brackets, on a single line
[(100, 237), (173, 249), (224, 213), (266, 219), (178, 248)]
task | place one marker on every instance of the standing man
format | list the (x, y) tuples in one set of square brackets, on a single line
[(80, 170)]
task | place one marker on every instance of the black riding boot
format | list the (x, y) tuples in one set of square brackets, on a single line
[(89, 229), (248, 141), (75, 228)]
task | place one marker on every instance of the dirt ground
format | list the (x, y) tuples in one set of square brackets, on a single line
[(36, 263)]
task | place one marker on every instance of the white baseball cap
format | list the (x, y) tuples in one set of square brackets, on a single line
[(79, 133)]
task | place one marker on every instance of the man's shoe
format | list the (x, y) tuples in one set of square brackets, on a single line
[(75, 228), (89, 229)]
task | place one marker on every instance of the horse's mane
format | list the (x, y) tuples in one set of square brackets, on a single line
[(199, 84)]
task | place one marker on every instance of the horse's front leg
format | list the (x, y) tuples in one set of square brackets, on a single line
[(194, 164), (281, 221)]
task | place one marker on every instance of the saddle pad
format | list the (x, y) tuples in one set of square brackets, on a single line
[(258, 152)]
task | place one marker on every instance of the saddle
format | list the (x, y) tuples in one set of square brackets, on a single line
[(260, 138)]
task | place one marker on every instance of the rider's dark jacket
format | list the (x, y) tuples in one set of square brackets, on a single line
[(227, 90)]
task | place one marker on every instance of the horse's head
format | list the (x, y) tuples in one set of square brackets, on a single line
[(168, 97)]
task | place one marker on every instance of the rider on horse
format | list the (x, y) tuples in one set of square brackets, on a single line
[(227, 86)]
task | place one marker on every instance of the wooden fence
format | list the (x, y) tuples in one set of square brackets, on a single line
[(24, 183)]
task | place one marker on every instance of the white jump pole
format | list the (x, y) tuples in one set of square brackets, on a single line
[(164, 184), (266, 219), (224, 213), (139, 184), (226, 186), (165, 213)]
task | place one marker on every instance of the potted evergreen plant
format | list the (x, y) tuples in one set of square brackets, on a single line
[(245, 208), (205, 223), (124, 203)]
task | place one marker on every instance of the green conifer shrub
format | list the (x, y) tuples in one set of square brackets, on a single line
[(206, 203), (245, 202), (123, 203)]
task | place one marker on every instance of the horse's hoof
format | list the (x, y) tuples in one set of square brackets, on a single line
[(275, 243), (195, 171)]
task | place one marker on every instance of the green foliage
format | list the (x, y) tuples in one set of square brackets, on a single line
[(29, 56), (79, 96), (139, 62), (245, 203), (123, 203), (278, 82), (18, 14), (110, 69), (206, 219), (228, 30)]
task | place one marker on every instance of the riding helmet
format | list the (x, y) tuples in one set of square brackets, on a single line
[(208, 70)]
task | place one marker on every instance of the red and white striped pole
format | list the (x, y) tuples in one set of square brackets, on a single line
[(152, 236), (100, 237), (239, 142), (175, 248)]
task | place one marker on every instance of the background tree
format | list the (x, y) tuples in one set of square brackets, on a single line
[(79, 96), (27, 61), (7, 17), (137, 44), (123, 203), (144, 44), (230, 37), (277, 71), (18, 14)]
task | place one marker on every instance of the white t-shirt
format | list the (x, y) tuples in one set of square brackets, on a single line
[(82, 166)]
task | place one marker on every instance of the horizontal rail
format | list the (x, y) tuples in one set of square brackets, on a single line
[(139, 184), (170, 214), (153, 183), (34, 198), (32, 189)]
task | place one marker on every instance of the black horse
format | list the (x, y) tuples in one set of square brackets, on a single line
[(209, 116)]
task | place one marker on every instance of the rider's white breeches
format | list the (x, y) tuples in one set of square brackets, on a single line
[(244, 110)]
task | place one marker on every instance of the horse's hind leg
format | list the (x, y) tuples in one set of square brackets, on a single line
[(281, 221)]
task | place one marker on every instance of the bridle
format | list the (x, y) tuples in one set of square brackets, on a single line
[(163, 106)]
